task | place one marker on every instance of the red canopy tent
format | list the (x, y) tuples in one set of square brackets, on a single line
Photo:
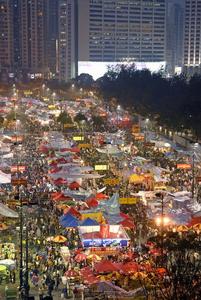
[(59, 197), (195, 220), (105, 266), (71, 210), (92, 202), (126, 223), (101, 196), (60, 181), (74, 185), (125, 216), (54, 170)]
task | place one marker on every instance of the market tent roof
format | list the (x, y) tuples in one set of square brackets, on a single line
[(5, 178), (92, 202), (127, 223), (105, 266), (74, 185), (7, 212), (134, 178), (68, 221), (72, 211), (89, 222)]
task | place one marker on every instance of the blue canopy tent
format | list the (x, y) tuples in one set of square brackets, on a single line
[(68, 221), (89, 222)]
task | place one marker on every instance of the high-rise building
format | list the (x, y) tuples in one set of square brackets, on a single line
[(6, 36), (51, 36), (32, 37), (192, 38), (67, 39), (110, 31), (174, 35), (122, 30)]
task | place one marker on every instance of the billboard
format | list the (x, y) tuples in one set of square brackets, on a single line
[(98, 68)]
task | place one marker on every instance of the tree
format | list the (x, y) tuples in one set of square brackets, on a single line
[(178, 275), (80, 117), (98, 122), (64, 118), (84, 81)]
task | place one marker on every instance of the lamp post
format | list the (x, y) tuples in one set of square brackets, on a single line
[(195, 145), (162, 221)]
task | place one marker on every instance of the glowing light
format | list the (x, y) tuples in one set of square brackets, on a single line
[(162, 220)]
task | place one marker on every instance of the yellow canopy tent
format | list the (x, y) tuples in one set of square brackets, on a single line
[(135, 178)]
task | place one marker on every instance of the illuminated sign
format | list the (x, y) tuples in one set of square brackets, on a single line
[(17, 169), (98, 68), (68, 125), (19, 182), (111, 181), (129, 200), (78, 138), (136, 129), (84, 146), (101, 167), (183, 166)]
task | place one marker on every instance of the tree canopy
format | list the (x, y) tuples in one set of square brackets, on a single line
[(174, 102)]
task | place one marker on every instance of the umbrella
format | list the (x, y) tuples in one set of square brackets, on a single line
[(182, 228), (7, 262), (197, 226), (59, 239), (2, 268), (94, 257), (80, 257), (105, 266), (130, 267), (3, 227)]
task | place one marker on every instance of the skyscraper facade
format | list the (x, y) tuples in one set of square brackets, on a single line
[(51, 36), (6, 36), (110, 31), (67, 39), (119, 30), (32, 36), (174, 35), (192, 38)]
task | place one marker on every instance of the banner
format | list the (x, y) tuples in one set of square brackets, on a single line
[(183, 166), (128, 200), (17, 169), (86, 146), (15, 139), (111, 181), (19, 182), (149, 144), (78, 138), (101, 167), (68, 125), (135, 129)]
